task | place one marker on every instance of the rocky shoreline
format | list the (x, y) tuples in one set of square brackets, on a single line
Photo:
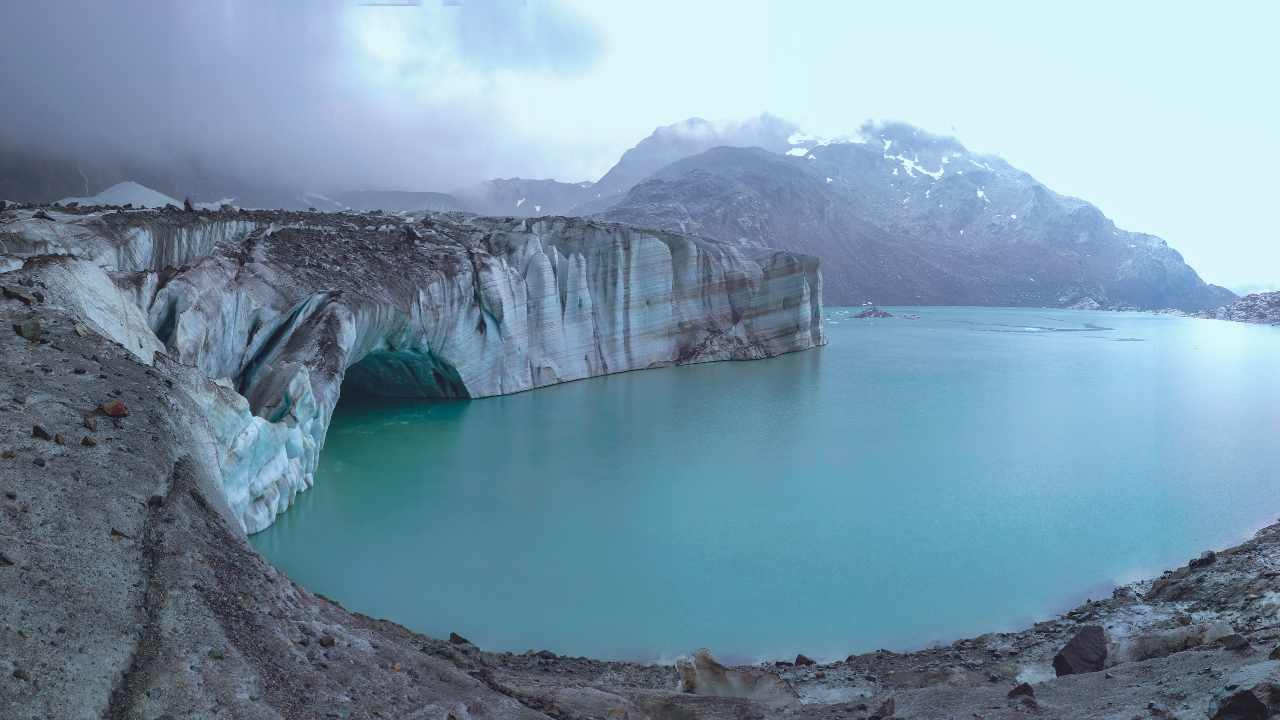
[(128, 588), (1261, 308)]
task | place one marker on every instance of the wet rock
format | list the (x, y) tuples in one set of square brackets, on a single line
[(1084, 653), (20, 674), (118, 534), (8, 454), (114, 409), (6, 561), (456, 639), (91, 422), (1206, 559), (802, 661), (1275, 653), (1023, 690), (886, 710), (38, 462), (327, 641), (88, 441), (59, 439), (39, 432), (155, 501)]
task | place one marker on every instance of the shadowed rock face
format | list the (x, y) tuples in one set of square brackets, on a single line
[(279, 305)]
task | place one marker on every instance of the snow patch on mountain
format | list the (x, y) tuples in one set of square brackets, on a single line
[(125, 193)]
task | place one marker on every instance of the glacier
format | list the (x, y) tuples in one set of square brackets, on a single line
[(281, 311)]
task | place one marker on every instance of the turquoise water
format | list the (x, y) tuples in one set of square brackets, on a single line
[(914, 481)]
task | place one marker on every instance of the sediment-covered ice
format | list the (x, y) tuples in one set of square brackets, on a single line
[(285, 310)]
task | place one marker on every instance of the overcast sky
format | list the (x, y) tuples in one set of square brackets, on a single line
[(1164, 114)]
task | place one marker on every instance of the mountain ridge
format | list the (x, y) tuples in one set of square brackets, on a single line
[(900, 216)]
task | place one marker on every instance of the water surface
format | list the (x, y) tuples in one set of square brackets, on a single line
[(913, 481)]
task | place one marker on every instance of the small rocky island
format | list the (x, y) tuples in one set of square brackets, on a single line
[(168, 379), (872, 313), (1261, 308)]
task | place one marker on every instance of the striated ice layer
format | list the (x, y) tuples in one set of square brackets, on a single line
[(282, 309)]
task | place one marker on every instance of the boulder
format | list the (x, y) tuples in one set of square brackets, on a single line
[(704, 675), (1256, 703), (887, 709), (1084, 653), (1206, 559), (1235, 641), (114, 408), (1023, 690)]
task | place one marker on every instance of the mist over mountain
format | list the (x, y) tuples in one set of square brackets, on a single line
[(897, 215), (527, 198)]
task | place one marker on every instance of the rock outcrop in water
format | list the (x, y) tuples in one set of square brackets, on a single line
[(128, 590), (1262, 308), (282, 308)]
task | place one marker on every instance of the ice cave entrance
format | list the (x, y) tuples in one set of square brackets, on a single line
[(401, 374)]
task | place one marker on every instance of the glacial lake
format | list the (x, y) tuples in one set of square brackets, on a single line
[(914, 481)]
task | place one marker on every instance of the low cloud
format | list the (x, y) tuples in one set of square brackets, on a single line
[(323, 95)]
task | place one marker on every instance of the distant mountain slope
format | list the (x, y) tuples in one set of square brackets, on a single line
[(522, 197), (904, 217), (680, 140), (398, 200), (897, 215)]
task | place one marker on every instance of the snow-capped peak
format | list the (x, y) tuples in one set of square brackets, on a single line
[(126, 193)]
